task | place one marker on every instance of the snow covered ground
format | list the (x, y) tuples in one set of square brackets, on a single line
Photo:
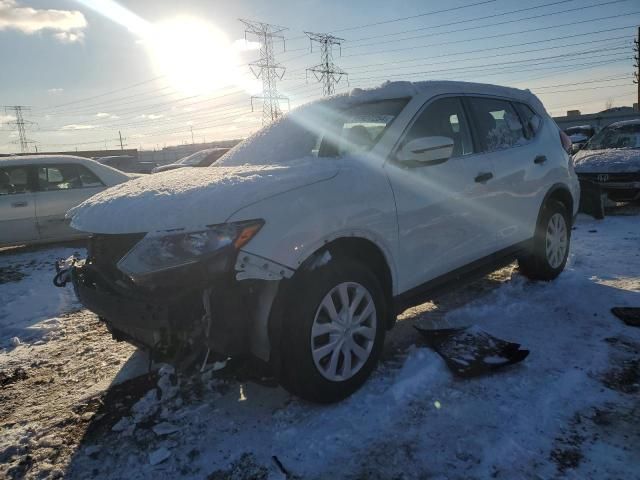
[(570, 410)]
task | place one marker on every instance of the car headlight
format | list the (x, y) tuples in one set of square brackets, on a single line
[(162, 251)]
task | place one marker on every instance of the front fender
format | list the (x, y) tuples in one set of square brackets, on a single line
[(299, 222)]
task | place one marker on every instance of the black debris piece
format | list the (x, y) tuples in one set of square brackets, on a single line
[(591, 199), (470, 351), (629, 315)]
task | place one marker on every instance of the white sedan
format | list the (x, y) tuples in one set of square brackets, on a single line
[(37, 190)]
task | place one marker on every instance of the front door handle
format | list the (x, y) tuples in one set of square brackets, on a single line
[(484, 177), (19, 204), (540, 159)]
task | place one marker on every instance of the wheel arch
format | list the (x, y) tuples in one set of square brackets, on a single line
[(360, 248), (561, 193)]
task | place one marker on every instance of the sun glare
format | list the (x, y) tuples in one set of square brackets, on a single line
[(195, 56)]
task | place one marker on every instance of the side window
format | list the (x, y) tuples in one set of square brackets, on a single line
[(88, 178), (59, 177), (443, 118), (14, 180), (497, 124), (531, 119)]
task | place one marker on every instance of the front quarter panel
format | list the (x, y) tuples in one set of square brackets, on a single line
[(357, 202)]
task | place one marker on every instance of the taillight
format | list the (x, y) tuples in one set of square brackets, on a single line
[(566, 142)]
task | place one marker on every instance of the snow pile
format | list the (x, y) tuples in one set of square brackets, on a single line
[(190, 198), (29, 302), (612, 160), (412, 418)]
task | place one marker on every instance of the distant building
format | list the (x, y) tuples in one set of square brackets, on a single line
[(574, 118)]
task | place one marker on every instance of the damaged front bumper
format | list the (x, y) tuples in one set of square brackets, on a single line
[(220, 305)]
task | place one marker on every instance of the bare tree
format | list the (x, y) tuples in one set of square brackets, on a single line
[(608, 104)]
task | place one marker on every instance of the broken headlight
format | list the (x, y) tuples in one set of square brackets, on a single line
[(162, 251)]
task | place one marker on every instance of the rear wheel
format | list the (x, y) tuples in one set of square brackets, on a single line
[(333, 331), (550, 250)]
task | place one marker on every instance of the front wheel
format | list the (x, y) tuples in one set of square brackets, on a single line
[(551, 241), (333, 331)]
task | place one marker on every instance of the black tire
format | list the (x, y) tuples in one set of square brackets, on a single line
[(535, 265), (297, 370)]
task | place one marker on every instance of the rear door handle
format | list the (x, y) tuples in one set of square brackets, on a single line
[(19, 204), (540, 159), (484, 177)]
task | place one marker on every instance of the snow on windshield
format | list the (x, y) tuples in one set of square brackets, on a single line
[(326, 128), (618, 136), (194, 158)]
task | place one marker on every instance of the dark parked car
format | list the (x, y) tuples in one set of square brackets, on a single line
[(611, 159), (579, 136), (127, 163), (202, 158)]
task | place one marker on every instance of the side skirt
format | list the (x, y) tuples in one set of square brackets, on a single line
[(460, 276)]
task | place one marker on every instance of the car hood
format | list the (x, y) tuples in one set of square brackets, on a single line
[(193, 197), (613, 160)]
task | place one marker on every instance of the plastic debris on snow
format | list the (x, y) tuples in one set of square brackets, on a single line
[(165, 428), (470, 351), (629, 315), (159, 456)]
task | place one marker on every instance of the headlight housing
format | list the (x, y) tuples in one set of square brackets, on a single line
[(167, 250)]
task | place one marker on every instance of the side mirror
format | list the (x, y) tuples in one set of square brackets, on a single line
[(426, 151)]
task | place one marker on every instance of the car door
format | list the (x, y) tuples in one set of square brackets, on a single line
[(61, 187), (442, 210), (17, 205), (504, 141)]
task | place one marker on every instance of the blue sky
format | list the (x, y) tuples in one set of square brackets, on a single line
[(76, 68)]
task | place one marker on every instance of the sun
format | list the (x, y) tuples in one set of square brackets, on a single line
[(195, 56)]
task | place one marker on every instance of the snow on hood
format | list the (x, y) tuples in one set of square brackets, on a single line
[(612, 160), (191, 198)]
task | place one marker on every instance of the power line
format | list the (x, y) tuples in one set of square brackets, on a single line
[(411, 17), (326, 71), (579, 53), (480, 68), (458, 30), (509, 34), (267, 68), (473, 19), (129, 87)]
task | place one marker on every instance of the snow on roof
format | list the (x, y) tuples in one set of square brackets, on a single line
[(579, 127), (635, 121), (18, 159), (390, 90)]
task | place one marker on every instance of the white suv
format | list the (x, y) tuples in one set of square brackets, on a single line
[(303, 243)]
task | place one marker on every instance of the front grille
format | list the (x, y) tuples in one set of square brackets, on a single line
[(611, 177), (105, 251)]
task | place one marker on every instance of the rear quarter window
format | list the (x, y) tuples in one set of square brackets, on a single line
[(496, 123), (531, 121)]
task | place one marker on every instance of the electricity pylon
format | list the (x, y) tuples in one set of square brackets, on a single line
[(267, 68), (636, 74), (326, 71), (20, 123)]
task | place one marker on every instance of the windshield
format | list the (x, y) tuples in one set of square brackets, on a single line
[(326, 129), (194, 158), (622, 136), (579, 131)]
